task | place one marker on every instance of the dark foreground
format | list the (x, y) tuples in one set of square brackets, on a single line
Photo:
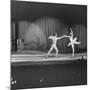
[(64, 74)]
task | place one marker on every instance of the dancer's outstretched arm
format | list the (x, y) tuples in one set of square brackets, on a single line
[(67, 36), (77, 42), (61, 37)]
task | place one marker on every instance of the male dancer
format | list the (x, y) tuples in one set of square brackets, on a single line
[(54, 42), (72, 41)]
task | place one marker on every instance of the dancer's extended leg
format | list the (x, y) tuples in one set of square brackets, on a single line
[(55, 47), (50, 50)]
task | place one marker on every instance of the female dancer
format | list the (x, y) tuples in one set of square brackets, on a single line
[(72, 41)]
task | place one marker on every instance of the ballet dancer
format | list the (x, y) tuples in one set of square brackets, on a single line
[(73, 41), (54, 43)]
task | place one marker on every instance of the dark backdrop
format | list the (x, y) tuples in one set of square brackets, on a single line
[(30, 11)]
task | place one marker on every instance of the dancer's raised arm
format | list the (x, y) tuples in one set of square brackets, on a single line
[(71, 33)]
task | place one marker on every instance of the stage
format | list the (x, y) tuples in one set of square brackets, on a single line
[(41, 58)]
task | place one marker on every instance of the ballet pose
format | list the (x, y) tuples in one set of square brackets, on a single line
[(72, 41), (54, 42)]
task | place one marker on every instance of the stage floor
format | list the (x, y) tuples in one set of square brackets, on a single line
[(30, 58)]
